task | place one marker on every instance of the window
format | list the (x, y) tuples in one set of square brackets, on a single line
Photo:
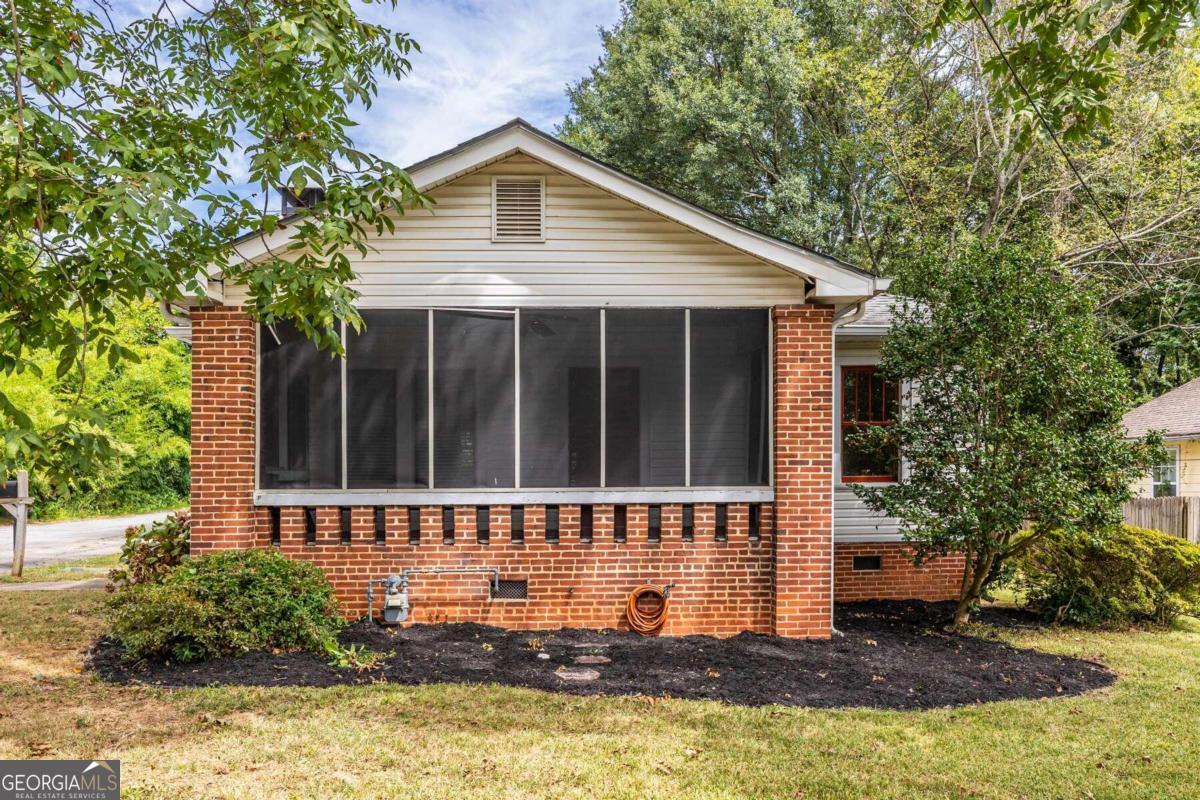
[(729, 397), (474, 388), (300, 413), (560, 397), (1164, 478), (867, 400), (644, 407), (528, 398), (387, 427)]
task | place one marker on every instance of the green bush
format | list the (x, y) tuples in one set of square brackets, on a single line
[(151, 552), (1119, 576), (226, 603)]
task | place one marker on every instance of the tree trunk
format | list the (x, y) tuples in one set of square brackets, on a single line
[(972, 588)]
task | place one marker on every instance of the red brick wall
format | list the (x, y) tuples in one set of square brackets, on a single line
[(721, 588), (803, 470), (781, 582), (899, 579), (223, 397)]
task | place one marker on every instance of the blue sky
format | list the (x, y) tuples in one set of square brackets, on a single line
[(482, 63)]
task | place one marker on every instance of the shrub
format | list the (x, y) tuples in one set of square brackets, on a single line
[(150, 553), (1119, 576), (226, 603)]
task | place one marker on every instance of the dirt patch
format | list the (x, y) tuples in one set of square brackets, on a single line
[(890, 655)]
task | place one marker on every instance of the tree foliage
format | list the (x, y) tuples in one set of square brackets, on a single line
[(848, 127), (1061, 58), (1012, 411), (113, 137), (145, 404)]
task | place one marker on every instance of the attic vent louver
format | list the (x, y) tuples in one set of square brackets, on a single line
[(518, 209)]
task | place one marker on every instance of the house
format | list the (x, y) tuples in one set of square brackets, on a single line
[(1176, 415), (571, 381)]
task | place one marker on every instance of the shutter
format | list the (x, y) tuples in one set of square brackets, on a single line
[(517, 209)]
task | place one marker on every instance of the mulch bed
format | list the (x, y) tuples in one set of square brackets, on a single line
[(890, 655)]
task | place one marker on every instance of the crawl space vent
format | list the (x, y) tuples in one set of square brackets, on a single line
[(517, 209), (868, 563), (511, 590)]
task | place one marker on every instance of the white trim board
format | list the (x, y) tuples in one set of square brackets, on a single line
[(473, 497)]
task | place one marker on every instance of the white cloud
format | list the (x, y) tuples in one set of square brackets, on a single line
[(482, 63)]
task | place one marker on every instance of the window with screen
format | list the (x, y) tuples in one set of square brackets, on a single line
[(300, 412), (430, 398), (644, 401), (560, 397), (867, 401), (387, 430), (729, 397), (474, 386)]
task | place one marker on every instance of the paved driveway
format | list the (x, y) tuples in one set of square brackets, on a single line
[(66, 541)]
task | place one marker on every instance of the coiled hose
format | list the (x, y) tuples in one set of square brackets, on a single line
[(644, 622)]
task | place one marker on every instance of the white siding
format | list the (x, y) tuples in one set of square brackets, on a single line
[(852, 520), (599, 250)]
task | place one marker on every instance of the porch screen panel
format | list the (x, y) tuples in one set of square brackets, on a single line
[(387, 427), (300, 412), (644, 405), (729, 397), (474, 399), (560, 397)]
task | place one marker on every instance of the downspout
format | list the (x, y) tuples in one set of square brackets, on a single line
[(846, 316), (180, 326), (850, 314), (172, 316)]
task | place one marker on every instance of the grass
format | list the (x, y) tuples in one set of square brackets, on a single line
[(81, 569), (1136, 739), (57, 512)]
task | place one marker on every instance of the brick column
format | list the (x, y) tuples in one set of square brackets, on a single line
[(223, 398), (803, 470)]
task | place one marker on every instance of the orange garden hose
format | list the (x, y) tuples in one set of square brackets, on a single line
[(644, 622)]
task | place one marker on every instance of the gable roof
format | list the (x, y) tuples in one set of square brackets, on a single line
[(832, 281), (1176, 414)]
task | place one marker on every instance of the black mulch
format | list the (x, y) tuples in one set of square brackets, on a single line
[(890, 655)]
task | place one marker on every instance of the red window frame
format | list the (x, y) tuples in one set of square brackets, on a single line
[(879, 414)]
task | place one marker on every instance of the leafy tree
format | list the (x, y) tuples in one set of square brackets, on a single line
[(1012, 415), (145, 402), (842, 126), (113, 137), (1060, 57)]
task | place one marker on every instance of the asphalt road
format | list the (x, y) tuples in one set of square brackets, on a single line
[(66, 541)]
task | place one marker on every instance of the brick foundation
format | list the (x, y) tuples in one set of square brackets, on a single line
[(898, 579), (722, 587)]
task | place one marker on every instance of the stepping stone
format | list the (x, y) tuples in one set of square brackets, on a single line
[(590, 645), (593, 660), (577, 674)]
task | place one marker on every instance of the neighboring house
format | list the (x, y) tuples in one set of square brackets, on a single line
[(573, 378), (1176, 415)]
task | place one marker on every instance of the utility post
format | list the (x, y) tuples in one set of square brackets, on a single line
[(14, 497)]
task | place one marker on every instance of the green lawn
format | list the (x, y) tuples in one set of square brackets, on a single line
[(81, 569), (1136, 739)]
